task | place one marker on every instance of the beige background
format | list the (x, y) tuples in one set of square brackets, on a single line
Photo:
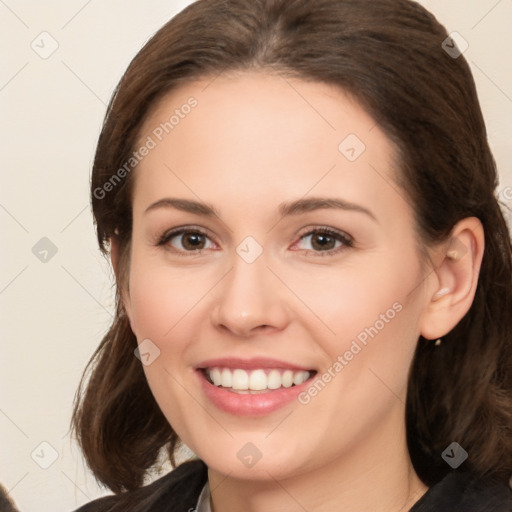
[(53, 314)]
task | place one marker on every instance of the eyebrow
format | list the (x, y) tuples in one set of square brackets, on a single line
[(185, 205), (285, 209)]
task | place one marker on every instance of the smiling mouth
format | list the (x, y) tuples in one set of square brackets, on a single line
[(259, 380)]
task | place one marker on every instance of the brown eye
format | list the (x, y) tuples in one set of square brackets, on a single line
[(324, 241), (186, 240), (321, 241), (191, 241)]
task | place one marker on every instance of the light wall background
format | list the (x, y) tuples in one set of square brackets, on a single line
[(54, 313)]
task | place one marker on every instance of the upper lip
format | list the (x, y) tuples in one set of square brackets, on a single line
[(250, 364)]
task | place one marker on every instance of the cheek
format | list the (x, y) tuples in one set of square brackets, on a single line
[(161, 296), (367, 325), (163, 303), (354, 299), (368, 358)]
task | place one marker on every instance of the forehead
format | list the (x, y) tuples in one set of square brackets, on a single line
[(256, 138)]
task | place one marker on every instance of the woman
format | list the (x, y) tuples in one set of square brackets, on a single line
[(313, 273)]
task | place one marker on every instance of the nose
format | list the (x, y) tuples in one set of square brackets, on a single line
[(250, 300)]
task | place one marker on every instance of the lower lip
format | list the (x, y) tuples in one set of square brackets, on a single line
[(246, 404)]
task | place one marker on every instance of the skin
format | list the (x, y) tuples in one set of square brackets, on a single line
[(253, 142)]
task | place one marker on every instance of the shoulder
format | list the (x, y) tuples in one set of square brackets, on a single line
[(466, 492), (177, 490)]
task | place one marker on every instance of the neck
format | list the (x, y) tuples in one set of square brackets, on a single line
[(376, 475)]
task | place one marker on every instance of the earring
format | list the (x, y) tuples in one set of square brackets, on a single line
[(440, 293), (438, 342)]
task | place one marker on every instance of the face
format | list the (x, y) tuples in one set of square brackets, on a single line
[(274, 281)]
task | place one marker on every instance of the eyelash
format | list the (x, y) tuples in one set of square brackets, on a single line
[(346, 240)]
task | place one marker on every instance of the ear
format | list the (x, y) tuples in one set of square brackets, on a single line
[(457, 271), (121, 280)]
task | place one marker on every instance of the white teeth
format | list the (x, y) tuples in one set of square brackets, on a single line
[(274, 379), (215, 376), (227, 378), (298, 378), (287, 379), (240, 379), (256, 380)]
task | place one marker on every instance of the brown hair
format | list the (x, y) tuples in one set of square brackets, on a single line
[(388, 55)]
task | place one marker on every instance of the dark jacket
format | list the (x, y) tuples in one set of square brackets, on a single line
[(179, 490)]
